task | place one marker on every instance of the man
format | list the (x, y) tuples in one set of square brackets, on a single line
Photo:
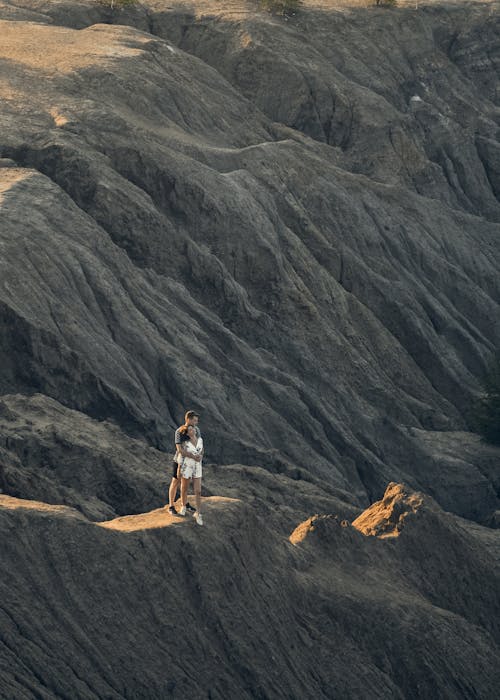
[(191, 418)]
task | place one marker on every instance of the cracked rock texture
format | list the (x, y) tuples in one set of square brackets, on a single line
[(293, 227), (170, 237), (331, 613)]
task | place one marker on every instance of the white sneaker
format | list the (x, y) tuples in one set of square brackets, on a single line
[(182, 510), (198, 517)]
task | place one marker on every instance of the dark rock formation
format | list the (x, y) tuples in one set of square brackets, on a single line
[(183, 248), (62, 456), (293, 227), (135, 607)]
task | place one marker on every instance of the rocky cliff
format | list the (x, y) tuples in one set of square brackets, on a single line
[(291, 225), (135, 608)]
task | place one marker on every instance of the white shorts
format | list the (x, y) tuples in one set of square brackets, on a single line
[(190, 468)]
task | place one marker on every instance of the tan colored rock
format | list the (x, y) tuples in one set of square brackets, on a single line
[(386, 518)]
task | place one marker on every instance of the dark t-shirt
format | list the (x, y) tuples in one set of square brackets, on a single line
[(180, 439)]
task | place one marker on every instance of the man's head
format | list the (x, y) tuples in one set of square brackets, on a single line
[(191, 418)]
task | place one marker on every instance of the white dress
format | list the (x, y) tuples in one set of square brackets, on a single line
[(190, 468)]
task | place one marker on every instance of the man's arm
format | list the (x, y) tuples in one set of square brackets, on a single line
[(179, 443), (185, 453), (180, 449)]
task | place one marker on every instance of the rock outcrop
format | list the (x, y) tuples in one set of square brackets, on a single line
[(387, 518), (166, 241), (135, 607), (293, 227)]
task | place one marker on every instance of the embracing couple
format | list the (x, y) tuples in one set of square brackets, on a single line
[(186, 466)]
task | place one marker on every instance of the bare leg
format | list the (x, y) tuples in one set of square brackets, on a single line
[(197, 493), (172, 491), (184, 490)]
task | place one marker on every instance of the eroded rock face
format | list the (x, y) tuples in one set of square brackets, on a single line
[(63, 456), (66, 457), (412, 103), (385, 618), (165, 243), (291, 227)]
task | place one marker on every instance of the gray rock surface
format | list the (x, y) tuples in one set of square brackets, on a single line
[(184, 248), (134, 607), (293, 227), (407, 97), (62, 456)]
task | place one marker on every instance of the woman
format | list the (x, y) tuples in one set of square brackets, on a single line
[(190, 468)]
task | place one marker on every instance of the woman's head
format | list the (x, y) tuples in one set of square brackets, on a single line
[(186, 432), (183, 433)]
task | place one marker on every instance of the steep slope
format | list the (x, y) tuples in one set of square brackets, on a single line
[(178, 247), (293, 227), (135, 607), (409, 97), (63, 456)]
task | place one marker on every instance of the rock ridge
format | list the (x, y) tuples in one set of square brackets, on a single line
[(223, 221), (355, 603)]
